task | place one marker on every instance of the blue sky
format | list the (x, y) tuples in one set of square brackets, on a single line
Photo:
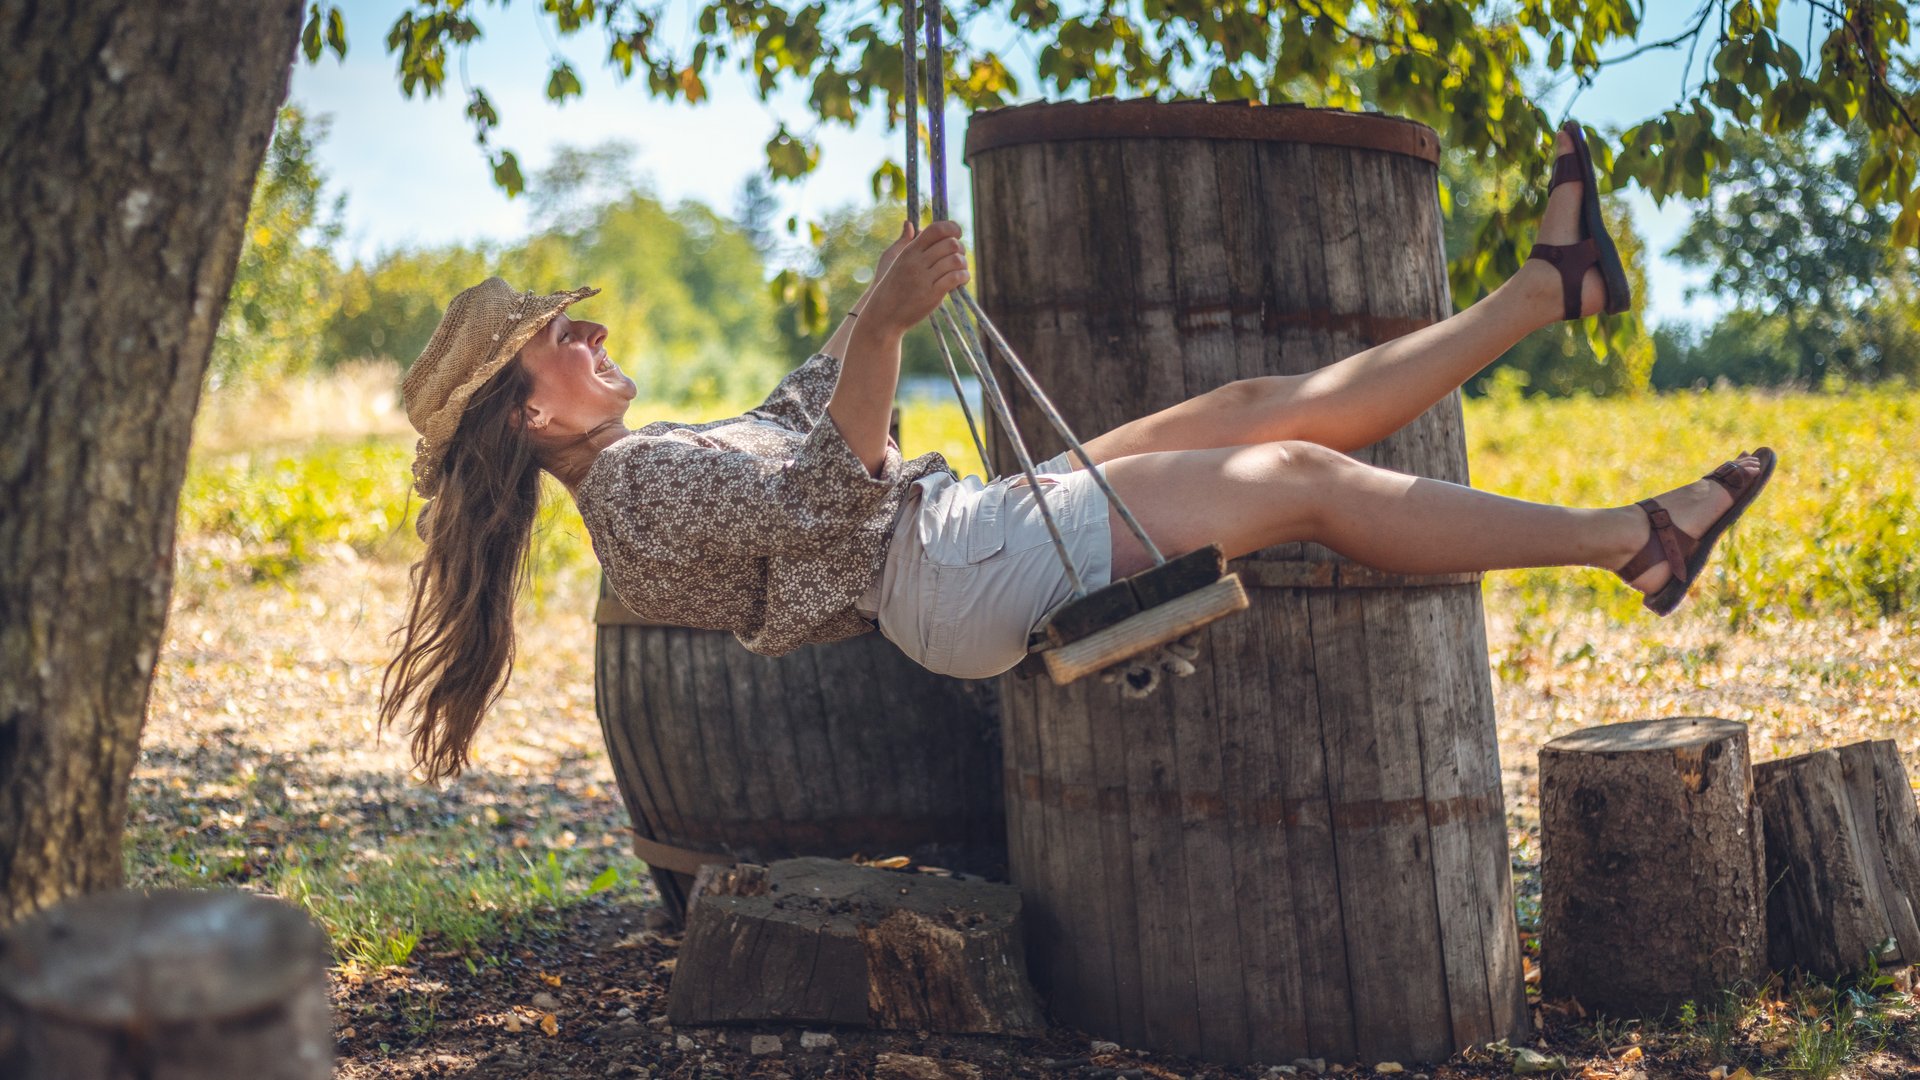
[(412, 174)]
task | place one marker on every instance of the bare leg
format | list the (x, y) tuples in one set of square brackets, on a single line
[(1370, 395), (1251, 497)]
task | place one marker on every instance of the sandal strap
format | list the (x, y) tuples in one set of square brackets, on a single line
[(1567, 170), (1732, 477), (1573, 261), (1667, 544)]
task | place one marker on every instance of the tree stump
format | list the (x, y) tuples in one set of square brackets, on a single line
[(822, 941), (1843, 859), (1651, 887), (1301, 851), (170, 985)]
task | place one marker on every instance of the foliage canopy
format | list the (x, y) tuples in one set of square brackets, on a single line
[(1462, 66)]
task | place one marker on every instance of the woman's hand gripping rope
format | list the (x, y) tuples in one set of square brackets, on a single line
[(913, 280), (925, 269)]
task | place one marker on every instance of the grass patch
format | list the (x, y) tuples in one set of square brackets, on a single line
[(451, 888)]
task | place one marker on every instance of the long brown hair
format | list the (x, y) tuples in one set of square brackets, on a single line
[(457, 647)]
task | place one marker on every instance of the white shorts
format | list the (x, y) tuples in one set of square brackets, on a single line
[(971, 567)]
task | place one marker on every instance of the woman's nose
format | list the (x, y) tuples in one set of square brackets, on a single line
[(597, 335)]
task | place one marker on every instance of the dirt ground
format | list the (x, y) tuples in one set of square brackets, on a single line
[(279, 681)]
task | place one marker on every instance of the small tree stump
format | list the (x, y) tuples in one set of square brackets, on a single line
[(1843, 859), (171, 985), (1651, 888), (818, 940)]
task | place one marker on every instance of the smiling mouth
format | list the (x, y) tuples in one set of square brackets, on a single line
[(605, 366)]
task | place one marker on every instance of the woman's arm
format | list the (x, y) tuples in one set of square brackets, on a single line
[(932, 265)]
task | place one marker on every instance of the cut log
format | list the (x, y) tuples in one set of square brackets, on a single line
[(173, 984), (1843, 859), (821, 941), (1651, 888)]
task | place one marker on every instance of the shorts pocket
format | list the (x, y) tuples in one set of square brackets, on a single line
[(971, 528)]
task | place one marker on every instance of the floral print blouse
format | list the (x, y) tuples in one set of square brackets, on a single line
[(765, 524)]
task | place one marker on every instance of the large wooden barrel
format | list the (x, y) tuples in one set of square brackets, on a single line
[(1302, 849), (722, 754)]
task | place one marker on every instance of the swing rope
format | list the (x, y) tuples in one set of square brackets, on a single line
[(963, 316)]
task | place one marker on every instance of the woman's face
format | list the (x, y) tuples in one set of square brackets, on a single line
[(576, 387)]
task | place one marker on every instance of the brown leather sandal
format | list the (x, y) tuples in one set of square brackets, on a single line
[(1683, 554), (1572, 260)]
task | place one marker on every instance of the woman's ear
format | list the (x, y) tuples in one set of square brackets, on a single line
[(532, 417)]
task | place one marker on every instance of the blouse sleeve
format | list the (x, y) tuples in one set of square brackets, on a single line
[(675, 497), (800, 399)]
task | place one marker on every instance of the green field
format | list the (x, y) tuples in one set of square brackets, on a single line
[(1838, 533)]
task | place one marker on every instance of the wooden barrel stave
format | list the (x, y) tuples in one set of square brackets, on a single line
[(830, 750), (1133, 279)]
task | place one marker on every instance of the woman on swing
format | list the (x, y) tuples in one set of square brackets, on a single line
[(799, 522)]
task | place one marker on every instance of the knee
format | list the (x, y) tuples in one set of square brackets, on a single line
[(1299, 460), (1257, 394)]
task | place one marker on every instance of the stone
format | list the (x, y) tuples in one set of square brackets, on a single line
[(762, 1045), (1278, 1071), (659, 1022), (1101, 1046), (817, 1040), (1316, 1066), (1388, 1067), (684, 1043), (546, 1002), (624, 1013), (620, 1031)]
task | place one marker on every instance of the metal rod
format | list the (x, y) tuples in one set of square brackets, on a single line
[(1053, 417), (991, 386)]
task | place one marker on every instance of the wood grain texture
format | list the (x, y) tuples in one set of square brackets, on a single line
[(1651, 887), (833, 750), (185, 985), (1333, 769), (816, 940), (1842, 848)]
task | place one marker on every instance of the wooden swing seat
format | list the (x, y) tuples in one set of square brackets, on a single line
[(1136, 614)]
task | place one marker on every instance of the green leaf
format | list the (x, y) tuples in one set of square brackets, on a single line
[(337, 33), (506, 173), (607, 879), (310, 35), (562, 83), (789, 157)]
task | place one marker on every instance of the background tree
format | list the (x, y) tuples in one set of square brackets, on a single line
[(1463, 66), (282, 288), (1786, 236)]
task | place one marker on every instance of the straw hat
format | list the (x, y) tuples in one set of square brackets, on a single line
[(482, 329)]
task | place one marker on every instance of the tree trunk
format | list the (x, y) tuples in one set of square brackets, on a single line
[(130, 135), (1843, 859), (1651, 887)]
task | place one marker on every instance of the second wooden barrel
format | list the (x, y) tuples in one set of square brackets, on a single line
[(1301, 850), (835, 750)]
